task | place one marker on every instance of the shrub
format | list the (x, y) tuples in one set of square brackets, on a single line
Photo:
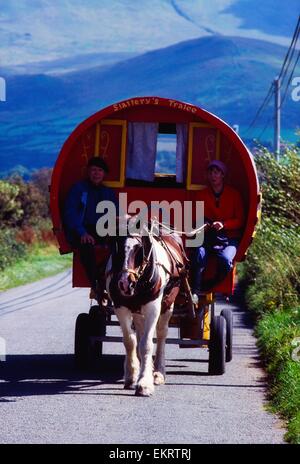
[(272, 276), (34, 204), (24, 215), (10, 205), (280, 186), (272, 268), (26, 235), (42, 179), (10, 249)]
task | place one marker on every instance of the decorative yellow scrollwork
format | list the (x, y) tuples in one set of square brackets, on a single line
[(104, 143), (210, 144), (104, 147), (86, 149)]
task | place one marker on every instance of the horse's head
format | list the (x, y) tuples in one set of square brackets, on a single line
[(129, 262), (133, 259)]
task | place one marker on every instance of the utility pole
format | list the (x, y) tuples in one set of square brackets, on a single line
[(236, 128), (277, 119), (2, 89)]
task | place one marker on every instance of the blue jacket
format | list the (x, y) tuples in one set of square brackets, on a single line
[(80, 206)]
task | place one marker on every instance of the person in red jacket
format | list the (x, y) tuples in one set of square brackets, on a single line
[(224, 219)]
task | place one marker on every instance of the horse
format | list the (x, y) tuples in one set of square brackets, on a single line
[(143, 278)]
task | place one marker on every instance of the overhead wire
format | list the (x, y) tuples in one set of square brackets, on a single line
[(290, 80), (281, 77), (265, 127), (262, 106), (292, 46)]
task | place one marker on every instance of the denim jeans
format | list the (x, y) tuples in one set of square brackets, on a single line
[(199, 260), (88, 255)]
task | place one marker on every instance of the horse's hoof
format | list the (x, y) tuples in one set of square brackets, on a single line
[(159, 378), (129, 385), (143, 391)]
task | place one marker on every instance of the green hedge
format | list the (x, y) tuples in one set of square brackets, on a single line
[(10, 249), (271, 275)]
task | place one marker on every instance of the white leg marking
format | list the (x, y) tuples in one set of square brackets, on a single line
[(138, 320), (162, 332), (151, 312), (131, 364)]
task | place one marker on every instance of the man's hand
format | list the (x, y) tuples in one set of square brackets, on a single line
[(87, 238), (217, 225)]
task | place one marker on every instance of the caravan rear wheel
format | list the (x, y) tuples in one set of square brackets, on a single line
[(217, 346)]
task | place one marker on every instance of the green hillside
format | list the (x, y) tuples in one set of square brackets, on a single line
[(228, 76)]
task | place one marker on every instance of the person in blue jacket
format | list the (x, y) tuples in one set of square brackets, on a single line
[(80, 216)]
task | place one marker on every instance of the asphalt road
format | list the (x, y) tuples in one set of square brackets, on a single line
[(43, 399)]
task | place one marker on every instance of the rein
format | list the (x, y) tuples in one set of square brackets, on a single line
[(180, 232), (147, 278), (141, 269), (130, 271), (138, 273), (154, 223), (146, 259)]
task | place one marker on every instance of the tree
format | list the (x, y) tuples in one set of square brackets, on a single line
[(11, 211), (33, 202), (42, 179)]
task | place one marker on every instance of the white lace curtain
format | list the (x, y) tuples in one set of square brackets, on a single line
[(142, 147), (141, 152)]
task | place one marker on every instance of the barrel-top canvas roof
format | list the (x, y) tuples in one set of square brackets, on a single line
[(105, 134)]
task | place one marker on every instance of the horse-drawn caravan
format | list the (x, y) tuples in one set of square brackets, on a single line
[(147, 275)]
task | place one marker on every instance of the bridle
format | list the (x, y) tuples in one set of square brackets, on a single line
[(138, 273), (146, 259)]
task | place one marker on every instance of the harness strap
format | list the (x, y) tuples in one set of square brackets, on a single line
[(174, 261), (164, 268), (130, 271)]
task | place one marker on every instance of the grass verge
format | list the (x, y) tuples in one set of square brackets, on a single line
[(39, 262), (277, 328), (271, 275), (279, 340)]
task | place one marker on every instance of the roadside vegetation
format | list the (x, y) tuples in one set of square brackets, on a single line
[(271, 276), (27, 244)]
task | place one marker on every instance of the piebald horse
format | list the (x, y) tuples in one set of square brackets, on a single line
[(143, 277)]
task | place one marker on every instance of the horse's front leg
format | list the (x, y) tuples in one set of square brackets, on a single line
[(162, 332), (131, 364), (151, 312), (138, 321)]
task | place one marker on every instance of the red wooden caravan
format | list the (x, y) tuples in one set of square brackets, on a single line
[(205, 137), (116, 133)]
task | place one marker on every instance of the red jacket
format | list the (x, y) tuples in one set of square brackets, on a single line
[(229, 209)]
